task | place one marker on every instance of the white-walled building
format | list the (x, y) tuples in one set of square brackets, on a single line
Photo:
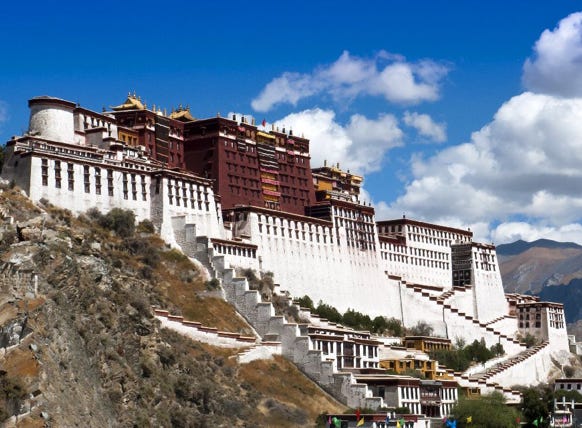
[(336, 252)]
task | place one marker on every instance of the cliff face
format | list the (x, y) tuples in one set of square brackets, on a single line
[(80, 346)]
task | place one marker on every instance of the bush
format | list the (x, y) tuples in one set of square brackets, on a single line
[(422, 328), (142, 248), (12, 392), (305, 302), (8, 238), (122, 222), (212, 284), (145, 226)]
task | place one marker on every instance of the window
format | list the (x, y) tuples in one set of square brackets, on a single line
[(44, 172), (143, 188), (125, 189), (110, 182), (98, 181), (86, 179), (133, 187), (58, 174), (71, 176)]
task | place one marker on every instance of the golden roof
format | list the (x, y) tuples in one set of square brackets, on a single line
[(131, 103), (182, 114)]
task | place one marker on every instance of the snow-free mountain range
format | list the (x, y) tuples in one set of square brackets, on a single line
[(549, 269)]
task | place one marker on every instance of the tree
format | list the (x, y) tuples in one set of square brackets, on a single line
[(394, 327), (422, 328), (328, 312), (488, 411), (535, 403), (305, 302)]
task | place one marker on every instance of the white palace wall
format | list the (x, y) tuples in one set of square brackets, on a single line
[(464, 301), (306, 260), (332, 261)]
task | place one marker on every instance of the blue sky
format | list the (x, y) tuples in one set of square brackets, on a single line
[(431, 100)]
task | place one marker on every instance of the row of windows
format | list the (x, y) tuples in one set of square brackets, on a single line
[(277, 221), (577, 386), (251, 182), (435, 233), (538, 324), (235, 251), (294, 233), (252, 160), (448, 393), (429, 240), (416, 261), (352, 214)]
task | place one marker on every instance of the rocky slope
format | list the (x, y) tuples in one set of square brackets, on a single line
[(80, 346)]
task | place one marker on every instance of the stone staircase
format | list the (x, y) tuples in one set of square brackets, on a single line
[(479, 329), (292, 337), (507, 364)]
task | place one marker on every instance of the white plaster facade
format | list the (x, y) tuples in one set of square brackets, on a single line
[(401, 268)]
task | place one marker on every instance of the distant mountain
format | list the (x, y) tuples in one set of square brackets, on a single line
[(550, 269), (570, 295), (528, 267), (521, 246)]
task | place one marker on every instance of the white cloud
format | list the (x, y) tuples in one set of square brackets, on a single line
[(425, 126), (513, 231), (386, 75), (556, 65), (360, 145), (525, 164)]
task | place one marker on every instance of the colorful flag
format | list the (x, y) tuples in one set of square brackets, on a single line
[(398, 424), (264, 123), (360, 422), (469, 419), (329, 421), (536, 423), (358, 414)]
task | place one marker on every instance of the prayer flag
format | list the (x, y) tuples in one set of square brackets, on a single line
[(469, 419), (264, 123), (358, 414), (360, 422)]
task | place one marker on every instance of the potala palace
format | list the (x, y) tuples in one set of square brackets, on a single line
[(233, 195)]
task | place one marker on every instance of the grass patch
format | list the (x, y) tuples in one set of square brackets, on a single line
[(282, 381)]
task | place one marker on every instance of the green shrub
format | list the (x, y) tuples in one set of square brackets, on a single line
[(145, 226), (122, 222), (212, 284)]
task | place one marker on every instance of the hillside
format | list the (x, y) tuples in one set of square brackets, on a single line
[(529, 267), (549, 269), (81, 346)]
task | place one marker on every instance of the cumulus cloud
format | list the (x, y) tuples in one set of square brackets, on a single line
[(524, 164), (425, 126), (359, 145), (556, 64), (513, 231), (386, 75)]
